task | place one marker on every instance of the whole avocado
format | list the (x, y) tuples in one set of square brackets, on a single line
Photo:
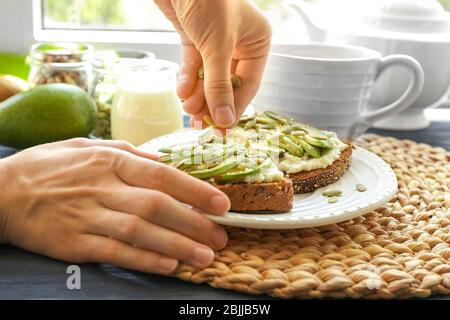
[(46, 113)]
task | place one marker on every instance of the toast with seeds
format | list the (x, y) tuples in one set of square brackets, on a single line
[(264, 161), (252, 181)]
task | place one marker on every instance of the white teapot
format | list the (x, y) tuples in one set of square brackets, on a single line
[(418, 28)]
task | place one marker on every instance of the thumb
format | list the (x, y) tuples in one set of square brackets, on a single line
[(218, 89)]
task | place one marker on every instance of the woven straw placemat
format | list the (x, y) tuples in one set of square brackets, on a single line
[(400, 250)]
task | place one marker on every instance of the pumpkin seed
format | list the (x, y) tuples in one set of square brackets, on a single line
[(250, 124), (332, 193), (236, 81), (361, 188), (247, 118), (278, 117), (166, 150), (201, 73), (209, 121), (297, 133), (333, 200), (103, 126), (266, 126), (266, 120)]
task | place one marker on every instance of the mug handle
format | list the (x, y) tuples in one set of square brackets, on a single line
[(413, 91)]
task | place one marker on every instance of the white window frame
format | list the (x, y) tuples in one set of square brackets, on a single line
[(98, 36)]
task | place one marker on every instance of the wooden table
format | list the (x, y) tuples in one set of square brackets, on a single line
[(27, 276)]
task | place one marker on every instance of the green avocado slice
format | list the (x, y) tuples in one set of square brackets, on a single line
[(293, 147), (326, 144), (217, 170), (312, 150), (313, 132), (227, 177)]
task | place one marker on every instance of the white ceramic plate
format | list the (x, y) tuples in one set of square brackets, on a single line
[(312, 209)]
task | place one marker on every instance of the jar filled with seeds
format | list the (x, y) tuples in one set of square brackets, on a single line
[(61, 63), (109, 67)]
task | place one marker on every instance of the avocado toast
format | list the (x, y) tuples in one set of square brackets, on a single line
[(251, 180), (264, 161)]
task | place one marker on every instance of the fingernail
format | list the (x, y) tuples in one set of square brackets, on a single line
[(224, 116), (167, 265), (219, 238), (203, 256), (220, 204)]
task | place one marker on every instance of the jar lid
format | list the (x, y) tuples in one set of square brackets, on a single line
[(410, 16), (61, 52), (159, 78), (119, 61)]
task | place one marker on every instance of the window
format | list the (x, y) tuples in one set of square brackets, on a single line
[(140, 21), (133, 15), (132, 21)]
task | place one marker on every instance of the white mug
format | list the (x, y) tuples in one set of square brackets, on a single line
[(329, 86)]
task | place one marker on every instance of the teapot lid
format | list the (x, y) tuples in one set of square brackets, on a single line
[(410, 16)]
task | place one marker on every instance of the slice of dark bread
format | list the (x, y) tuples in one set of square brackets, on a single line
[(309, 181), (273, 197)]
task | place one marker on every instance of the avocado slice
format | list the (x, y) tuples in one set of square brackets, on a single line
[(292, 147), (326, 144), (234, 176), (215, 171), (313, 132), (312, 150)]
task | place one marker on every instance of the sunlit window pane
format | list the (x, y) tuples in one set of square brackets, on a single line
[(104, 15), (143, 15)]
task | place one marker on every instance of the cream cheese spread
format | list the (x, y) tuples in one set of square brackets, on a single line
[(266, 175)]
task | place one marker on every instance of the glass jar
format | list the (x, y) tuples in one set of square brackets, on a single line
[(108, 67), (146, 104), (61, 63)]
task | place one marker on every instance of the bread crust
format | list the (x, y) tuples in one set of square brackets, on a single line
[(274, 197), (308, 181)]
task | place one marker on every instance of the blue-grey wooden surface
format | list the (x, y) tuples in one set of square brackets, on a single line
[(27, 276)]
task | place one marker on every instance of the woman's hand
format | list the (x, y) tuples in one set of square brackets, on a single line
[(92, 201), (225, 36)]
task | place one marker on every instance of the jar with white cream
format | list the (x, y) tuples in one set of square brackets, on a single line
[(146, 104), (109, 66)]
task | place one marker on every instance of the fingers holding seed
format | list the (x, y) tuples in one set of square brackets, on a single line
[(235, 80)]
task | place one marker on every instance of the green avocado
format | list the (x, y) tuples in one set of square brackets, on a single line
[(45, 114)]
